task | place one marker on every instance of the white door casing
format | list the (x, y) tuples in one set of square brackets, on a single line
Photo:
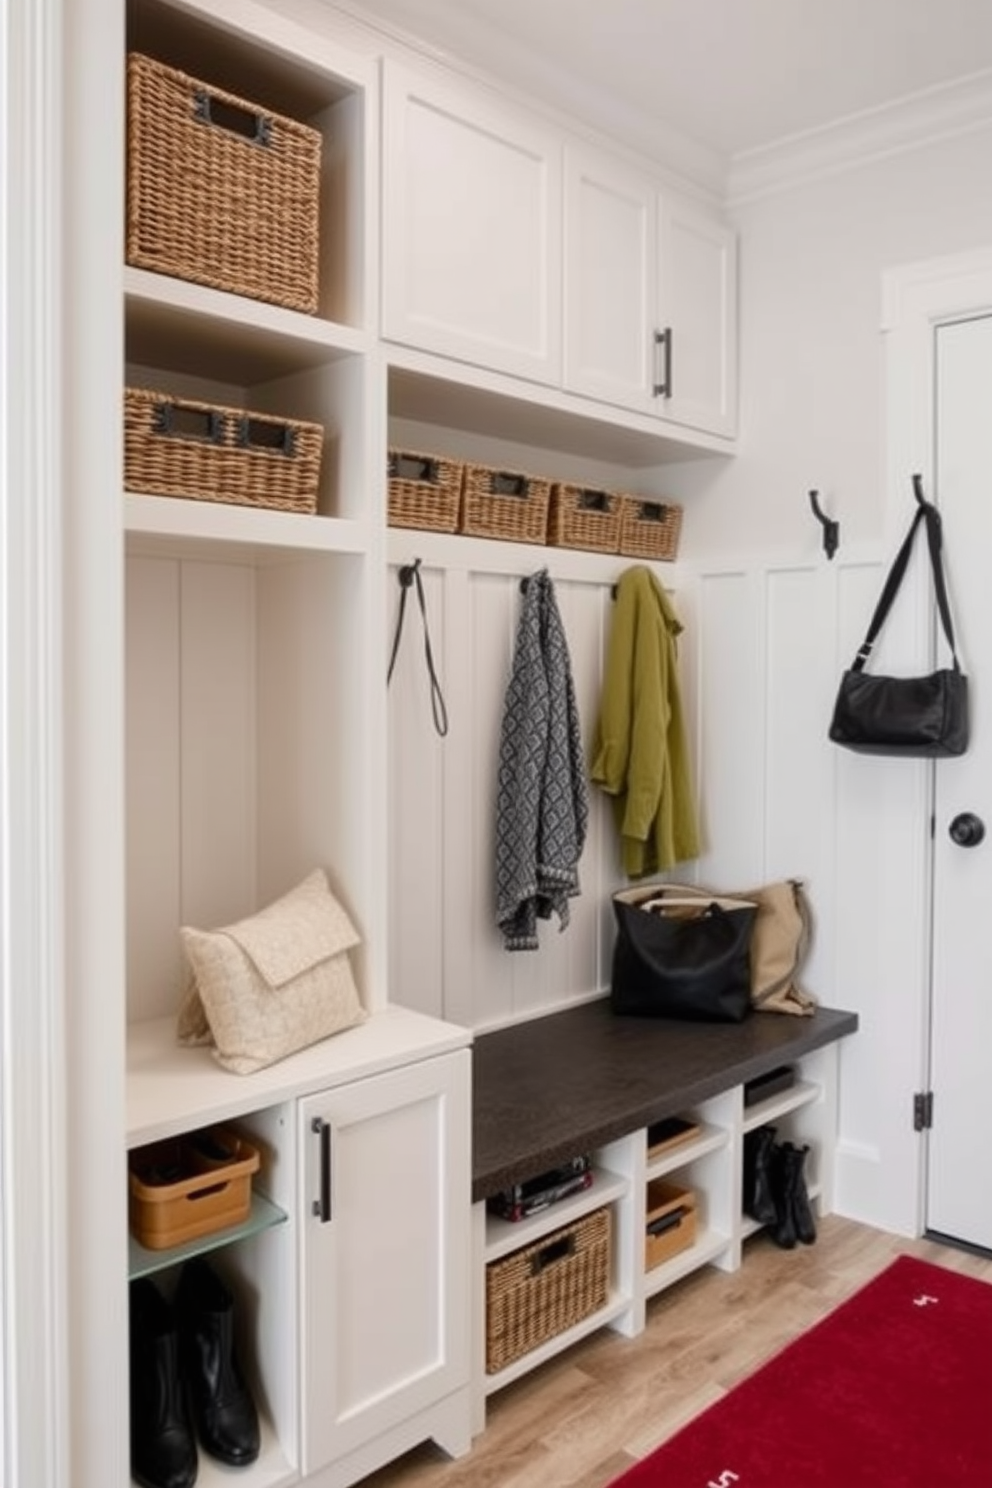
[(916, 300), (961, 1011)]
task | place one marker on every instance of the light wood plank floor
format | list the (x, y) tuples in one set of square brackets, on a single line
[(581, 1419)]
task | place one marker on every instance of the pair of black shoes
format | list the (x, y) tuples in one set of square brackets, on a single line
[(775, 1191), (185, 1380)]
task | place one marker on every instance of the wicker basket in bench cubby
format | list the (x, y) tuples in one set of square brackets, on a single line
[(542, 1289), (204, 452), (424, 491), (580, 517), (649, 528), (504, 504), (220, 191)]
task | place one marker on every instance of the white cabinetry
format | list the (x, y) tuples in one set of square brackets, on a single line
[(471, 227), (385, 1266), (650, 297), (252, 637)]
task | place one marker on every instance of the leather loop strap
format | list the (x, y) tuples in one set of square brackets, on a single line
[(927, 514), (409, 574)]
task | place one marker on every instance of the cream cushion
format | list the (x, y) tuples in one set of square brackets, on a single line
[(273, 983)]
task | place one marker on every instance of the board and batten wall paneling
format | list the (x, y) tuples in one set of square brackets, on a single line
[(153, 787), (446, 955), (191, 820)]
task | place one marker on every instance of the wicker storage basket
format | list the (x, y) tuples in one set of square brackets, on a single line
[(582, 518), (545, 1288), (424, 491), (504, 504), (220, 191), (174, 447), (649, 529), (189, 1186)]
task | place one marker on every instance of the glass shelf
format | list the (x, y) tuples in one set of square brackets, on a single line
[(262, 1216)]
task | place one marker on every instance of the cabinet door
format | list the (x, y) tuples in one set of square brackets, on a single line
[(471, 228), (697, 312), (610, 253), (386, 1244)]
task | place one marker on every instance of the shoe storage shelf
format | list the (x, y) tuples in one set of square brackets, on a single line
[(674, 1208)]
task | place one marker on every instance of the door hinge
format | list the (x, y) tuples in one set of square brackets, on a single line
[(923, 1110)]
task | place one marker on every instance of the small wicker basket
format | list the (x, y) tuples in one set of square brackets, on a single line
[(504, 504), (545, 1288), (220, 191), (583, 518), (424, 491), (203, 452), (649, 529)]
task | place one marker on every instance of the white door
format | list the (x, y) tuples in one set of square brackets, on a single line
[(385, 1238), (959, 1195)]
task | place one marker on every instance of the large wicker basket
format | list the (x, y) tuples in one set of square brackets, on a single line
[(220, 191), (504, 504), (545, 1288), (424, 491), (649, 529), (583, 518), (204, 452)]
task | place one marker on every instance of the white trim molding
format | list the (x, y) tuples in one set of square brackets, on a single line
[(916, 298), (924, 118), (32, 1158)]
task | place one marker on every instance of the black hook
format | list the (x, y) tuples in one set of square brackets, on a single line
[(918, 490), (831, 529)]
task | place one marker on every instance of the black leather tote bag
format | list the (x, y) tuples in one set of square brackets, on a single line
[(924, 717), (687, 959)]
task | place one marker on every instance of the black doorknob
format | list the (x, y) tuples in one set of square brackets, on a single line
[(967, 829)]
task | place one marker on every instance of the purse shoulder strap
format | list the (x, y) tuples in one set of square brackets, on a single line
[(928, 514)]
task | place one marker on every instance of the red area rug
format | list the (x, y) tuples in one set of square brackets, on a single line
[(892, 1390)]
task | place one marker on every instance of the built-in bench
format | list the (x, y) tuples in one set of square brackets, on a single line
[(588, 1082)]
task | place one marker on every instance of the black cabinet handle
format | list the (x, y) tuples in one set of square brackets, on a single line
[(663, 389), (322, 1206)]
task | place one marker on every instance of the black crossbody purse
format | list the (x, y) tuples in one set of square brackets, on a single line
[(923, 717)]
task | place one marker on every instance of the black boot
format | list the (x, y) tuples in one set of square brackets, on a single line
[(758, 1200), (163, 1452), (783, 1231), (802, 1212), (223, 1410)]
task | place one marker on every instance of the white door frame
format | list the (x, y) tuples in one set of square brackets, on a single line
[(915, 299), (33, 1362), (63, 1233)]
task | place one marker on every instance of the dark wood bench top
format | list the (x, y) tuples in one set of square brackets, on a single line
[(548, 1089)]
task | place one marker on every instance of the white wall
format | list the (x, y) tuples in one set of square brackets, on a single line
[(811, 261)]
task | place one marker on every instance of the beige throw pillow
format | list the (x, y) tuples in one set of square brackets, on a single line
[(273, 983)]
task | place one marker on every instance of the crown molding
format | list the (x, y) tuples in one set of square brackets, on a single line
[(537, 82), (910, 123)]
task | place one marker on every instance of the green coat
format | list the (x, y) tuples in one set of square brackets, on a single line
[(640, 754)]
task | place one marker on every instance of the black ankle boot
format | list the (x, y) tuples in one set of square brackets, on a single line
[(802, 1212), (163, 1452), (223, 1410), (783, 1231), (758, 1200)]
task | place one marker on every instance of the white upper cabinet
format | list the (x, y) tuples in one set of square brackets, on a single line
[(471, 227), (611, 251), (697, 314), (650, 297)]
